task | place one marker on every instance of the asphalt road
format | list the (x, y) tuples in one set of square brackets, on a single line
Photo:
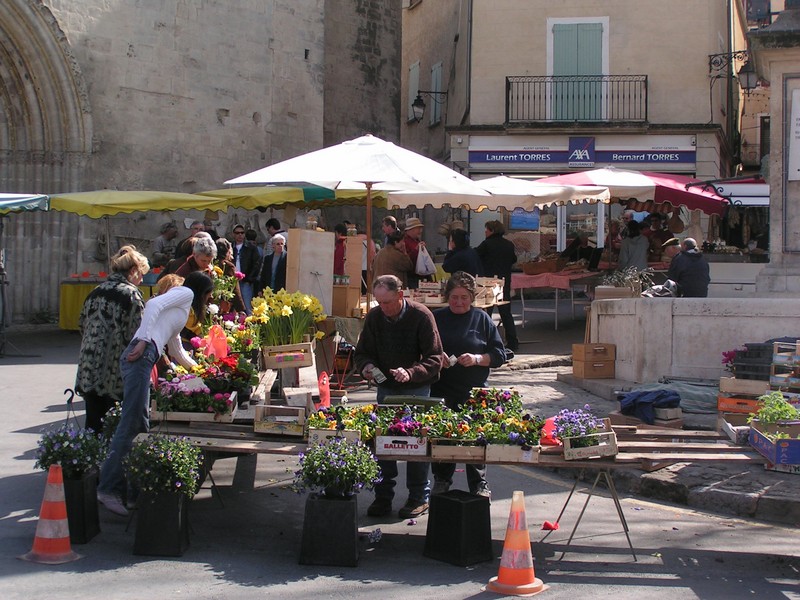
[(249, 547)]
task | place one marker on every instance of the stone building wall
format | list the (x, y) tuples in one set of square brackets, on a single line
[(176, 95)]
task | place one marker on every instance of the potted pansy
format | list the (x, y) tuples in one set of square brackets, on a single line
[(351, 422), (513, 438), (337, 469), (166, 470), (80, 453), (400, 432)]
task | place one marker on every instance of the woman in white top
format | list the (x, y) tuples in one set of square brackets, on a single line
[(163, 318)]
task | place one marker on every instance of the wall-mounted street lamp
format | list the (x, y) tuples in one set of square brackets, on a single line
[(418, 106), (718, 67)]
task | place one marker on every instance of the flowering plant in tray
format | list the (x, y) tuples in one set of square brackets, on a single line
[(183, 393), (578, 424), (361, 418), (281, 318)]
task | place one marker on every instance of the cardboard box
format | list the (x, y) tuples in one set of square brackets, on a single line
[(791, 469), (594, 352), (346, 299), (748, 387), (279, 420), (781, 451), (735, 426), (603, 369)]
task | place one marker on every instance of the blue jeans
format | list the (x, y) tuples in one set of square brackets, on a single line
[(247, 295), (416, 472), (135, 415)]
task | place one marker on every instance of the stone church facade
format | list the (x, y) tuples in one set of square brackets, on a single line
[(175, 95)]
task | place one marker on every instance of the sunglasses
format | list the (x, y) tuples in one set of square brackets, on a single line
[(238, 233)]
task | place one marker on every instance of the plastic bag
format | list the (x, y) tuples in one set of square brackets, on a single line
[(425, 265)]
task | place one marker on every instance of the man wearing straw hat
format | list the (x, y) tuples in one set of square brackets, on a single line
[(412, 240)]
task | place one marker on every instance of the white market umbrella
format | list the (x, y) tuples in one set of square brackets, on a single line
[(508, 193), (368, 163)]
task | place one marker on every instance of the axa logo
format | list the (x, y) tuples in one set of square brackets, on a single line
[(579, 154)]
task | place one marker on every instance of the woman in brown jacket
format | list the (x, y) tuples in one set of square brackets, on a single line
[(393, 260)]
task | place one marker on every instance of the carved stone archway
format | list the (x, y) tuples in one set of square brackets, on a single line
[(45, 119)]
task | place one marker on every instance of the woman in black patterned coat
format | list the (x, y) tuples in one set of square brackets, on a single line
[(110, 316)]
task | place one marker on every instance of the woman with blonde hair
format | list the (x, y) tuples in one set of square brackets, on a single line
[(110, 316)]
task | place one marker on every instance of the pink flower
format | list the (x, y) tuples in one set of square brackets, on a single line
[(239, 275), (218, 396), (196, 341)]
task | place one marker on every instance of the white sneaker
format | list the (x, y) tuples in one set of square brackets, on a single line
[(113, 503)]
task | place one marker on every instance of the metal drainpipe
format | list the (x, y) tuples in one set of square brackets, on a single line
[(731, 73)]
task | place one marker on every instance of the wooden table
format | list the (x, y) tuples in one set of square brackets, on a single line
[(560, 280)]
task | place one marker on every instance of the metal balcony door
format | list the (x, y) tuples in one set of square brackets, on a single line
[(577, 52)]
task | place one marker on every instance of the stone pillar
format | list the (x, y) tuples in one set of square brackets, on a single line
[(776, 50)]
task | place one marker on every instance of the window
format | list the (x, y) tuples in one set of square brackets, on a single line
[(437, 100), (577, 60), (413, 87)]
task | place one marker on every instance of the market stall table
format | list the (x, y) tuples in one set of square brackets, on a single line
[(560, 280), (72, 295)]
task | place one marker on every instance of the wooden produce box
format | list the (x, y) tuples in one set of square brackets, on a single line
[(317, 436), (617, 418), (198, 417), (543, 266), (280, 420), (594, 369), (668, 414), (400, 445), (594, 352), (735, 426), (346, 299), (450, 450), (489, 290), (786, 353), (502, 453), (288, 355), (606, 446), (749, 387), (781, 451), (736, 404), (785, 376)]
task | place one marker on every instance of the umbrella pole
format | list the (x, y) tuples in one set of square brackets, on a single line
[(369, 240)]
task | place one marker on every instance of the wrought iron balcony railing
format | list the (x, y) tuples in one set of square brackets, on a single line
[(576, 98)]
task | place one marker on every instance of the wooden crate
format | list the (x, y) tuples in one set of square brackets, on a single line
[(198, 417), (736, 404), (450, 450), (594, 369), (785, 376), (504, 453), (317, 436), (542, 266), (400, 445), (288, 355), (749, 387), (606, 445), (786, 353), (280, 420), (594, 352), (346, 299)]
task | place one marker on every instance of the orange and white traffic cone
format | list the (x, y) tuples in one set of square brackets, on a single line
[(516, 576), (51, 544)]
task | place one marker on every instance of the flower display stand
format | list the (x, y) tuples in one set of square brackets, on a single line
[(330, 531), (162, 524), (206, 417), (83, 517), (459, 529), (504, 453)]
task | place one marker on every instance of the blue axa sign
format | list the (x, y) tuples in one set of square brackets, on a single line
[(581, 152)]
